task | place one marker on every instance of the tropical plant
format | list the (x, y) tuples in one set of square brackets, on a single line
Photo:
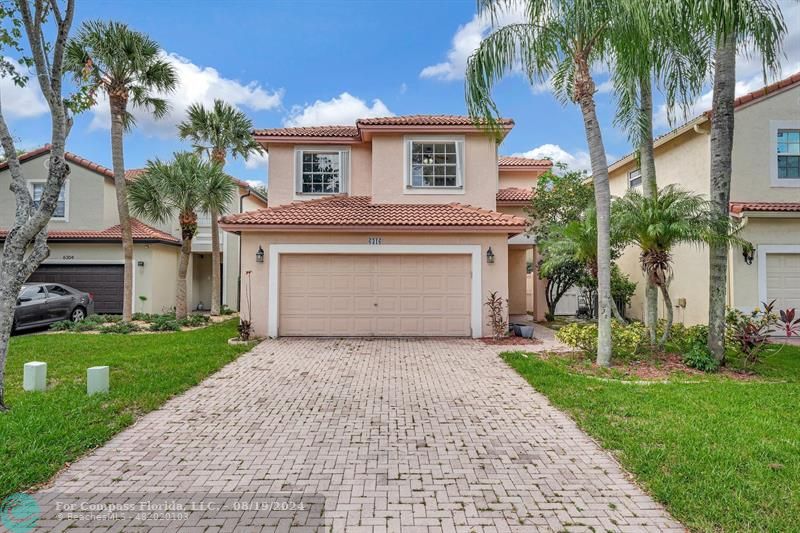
[(128, 68), (497, 315), (558, 43), (729, 27), (659, 223), (628, 339), (25, 245), (217, 132), (789, 325), (749, 332), (183, 187)]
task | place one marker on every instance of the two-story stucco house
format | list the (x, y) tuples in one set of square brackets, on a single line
[(86, 242), (398, 226), (765, 195)]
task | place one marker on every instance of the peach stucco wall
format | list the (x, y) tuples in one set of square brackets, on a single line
[(517, 272), (517, 178), (494, 277)]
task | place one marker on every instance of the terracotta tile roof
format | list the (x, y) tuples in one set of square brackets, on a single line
[(425, 120), (314, 131), (738, 208), (769, 89), (141, 232), (354, 132), (69, 156), (516, 161), (359, 211), (514, 195)]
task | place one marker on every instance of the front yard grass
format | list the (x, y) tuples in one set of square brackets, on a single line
[(44, 431), (722, 455)]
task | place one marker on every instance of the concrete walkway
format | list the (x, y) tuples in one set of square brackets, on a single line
[(353, 435)]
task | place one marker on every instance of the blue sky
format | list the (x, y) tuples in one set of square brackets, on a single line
[(306, 63)]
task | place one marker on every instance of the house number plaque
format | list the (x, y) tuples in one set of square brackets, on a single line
[(376, 240)]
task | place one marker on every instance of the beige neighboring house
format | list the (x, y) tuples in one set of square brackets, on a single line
[(765, 195), (86, 246), (397, 226)]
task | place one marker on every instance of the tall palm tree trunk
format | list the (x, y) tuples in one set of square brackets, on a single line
[(181, 305), (670, 314), (118, 105), (721, 148), (647, 165), (217, 156), (584, 95), (215, 259)]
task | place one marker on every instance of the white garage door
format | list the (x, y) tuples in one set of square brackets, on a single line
[(374, 295), (783, 280)]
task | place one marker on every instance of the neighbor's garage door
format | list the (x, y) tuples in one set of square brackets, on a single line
[(783, 280), (103, 281), (374, 295)]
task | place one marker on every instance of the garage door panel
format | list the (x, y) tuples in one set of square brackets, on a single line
[(378, 295), (105, 282), (783, 280)]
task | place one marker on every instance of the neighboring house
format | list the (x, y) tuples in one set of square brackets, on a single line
[(765, 195), (398, 226), (86, 246)]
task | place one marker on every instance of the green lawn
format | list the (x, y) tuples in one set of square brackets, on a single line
[(722, 455), (43, 431)]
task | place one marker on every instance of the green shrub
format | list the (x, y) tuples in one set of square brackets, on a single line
[(626, 339), (700, 357), (194, 321), (164, 323), (62, 325), (122, 328), (143, 317), (103, 319), (83, 326), (225, 310)]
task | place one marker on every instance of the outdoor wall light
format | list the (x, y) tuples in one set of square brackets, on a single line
[(140, 263), (748, 252), (490, 256), (260, 255)]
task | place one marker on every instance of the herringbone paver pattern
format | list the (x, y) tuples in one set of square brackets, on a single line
[(356, 435)]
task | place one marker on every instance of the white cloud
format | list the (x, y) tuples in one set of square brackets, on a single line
[(577, 160), (342, 109), (466, 40), (256, 183), (22, 102), (195, 84), (259, 160)]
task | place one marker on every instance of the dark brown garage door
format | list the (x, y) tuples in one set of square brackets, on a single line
[(103, 281)]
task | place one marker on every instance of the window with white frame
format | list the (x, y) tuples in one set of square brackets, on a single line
[(634, 178), (435, 164), (321, 171), (788, 154), (37, 188)]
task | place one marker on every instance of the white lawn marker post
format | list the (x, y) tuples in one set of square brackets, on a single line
[(97, 378), (35, 376)]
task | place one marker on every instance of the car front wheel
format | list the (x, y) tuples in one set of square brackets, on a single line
[(78, 314)]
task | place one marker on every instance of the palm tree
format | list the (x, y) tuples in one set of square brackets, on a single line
[(127, 66), (558, 43), (183, 187), (216, 132), (730, 27), (658, 223)]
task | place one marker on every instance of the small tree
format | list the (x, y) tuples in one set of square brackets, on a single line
[(127, 66), (183, 186), (217, 132), (25, 246), (558, 199)]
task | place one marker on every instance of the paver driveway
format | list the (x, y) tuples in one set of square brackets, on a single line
[(355, 435)]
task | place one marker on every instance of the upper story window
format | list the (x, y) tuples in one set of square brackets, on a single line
[(321, 171), (788, 154), (435, 164), (634, 178), (36, 190)]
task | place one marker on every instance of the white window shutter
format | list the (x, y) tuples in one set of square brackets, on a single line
[(298, 171), (344, 171), (460, 162)]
